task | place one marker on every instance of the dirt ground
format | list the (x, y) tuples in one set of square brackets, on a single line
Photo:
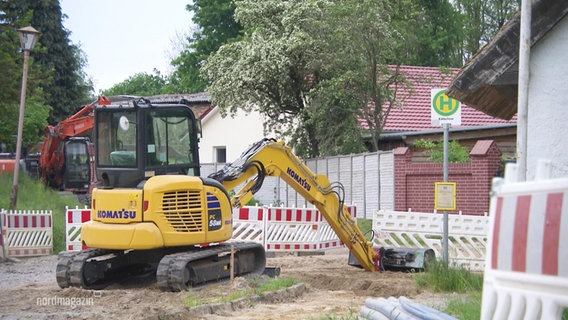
[(334, 289)]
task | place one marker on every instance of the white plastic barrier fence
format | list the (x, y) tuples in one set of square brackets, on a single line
[(526, 273), (467, 240), (285, 229), (26, 233), (74, 218), (278, 229)]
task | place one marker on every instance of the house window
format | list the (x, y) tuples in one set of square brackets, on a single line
[(221, 154)]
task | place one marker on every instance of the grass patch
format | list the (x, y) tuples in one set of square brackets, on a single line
[(192, 299), (255, 287), (33, 195), (466, 308), (261, 285), (352, 315), (237, 295), (439, 278)]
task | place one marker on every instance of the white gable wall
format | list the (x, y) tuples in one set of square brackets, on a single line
[(548, 102), (234, 133)]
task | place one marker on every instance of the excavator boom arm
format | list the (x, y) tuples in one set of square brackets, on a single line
[(271, 158)]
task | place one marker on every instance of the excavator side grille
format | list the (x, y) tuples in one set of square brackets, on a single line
[(183, 210)]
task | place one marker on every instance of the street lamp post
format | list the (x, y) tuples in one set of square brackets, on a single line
[(28, 38)]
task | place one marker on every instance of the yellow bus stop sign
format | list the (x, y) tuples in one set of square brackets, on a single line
[(445, 196), (444, 108)]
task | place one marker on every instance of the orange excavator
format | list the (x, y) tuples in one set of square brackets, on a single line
[(66, 161)]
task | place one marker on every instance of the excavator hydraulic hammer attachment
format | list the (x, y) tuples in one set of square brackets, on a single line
[(400, 259)]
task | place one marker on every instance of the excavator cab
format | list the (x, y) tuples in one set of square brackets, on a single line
[(140, 139), (77, 171)]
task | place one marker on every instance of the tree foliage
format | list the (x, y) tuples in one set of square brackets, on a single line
[(358, 47), (66, 86), (12, 17), (270, 70), (431, 31), (313, 68), (435, 150), (216, 26), (481, 19), (56, 83), (9, 58), (443, 33), (140, 84)]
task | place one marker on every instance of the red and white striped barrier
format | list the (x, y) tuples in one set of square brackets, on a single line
[(26, 233), (285, 229), (526, 273), (278, 229), (74, 218)]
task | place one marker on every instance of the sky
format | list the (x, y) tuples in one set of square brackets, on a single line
[(123, 37)]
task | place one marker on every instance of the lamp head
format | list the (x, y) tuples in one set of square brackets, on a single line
[(28, 37)]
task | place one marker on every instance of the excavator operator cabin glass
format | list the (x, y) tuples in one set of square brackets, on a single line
[(77, 173), (169, 139), (116, 145)]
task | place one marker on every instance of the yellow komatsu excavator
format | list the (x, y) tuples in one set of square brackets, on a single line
[(152, 213)]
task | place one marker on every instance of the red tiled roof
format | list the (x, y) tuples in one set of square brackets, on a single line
[(415, 112)]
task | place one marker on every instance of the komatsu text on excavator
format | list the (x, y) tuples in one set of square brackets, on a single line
[(152, 213)]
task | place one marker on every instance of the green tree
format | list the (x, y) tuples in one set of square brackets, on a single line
[(444, 33), (9, 58), (272, 68), (314, 69), (140, 84), (14, 15), (358, 46), (432, 32), (482, 19), (217, 26), (66, 88)]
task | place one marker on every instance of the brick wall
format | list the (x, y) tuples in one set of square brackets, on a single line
[(414, 181)]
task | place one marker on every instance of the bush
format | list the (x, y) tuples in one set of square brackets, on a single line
[(435, 149)]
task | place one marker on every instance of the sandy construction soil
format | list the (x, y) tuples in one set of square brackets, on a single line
[(28, 291)]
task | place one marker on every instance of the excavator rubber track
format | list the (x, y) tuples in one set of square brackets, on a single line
[(180, 271), (188, 266), (70, 269)]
